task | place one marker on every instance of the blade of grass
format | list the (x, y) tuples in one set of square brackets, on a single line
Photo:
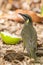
[(0, 34), (42, 10)]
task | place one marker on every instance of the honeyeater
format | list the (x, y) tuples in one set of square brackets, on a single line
[(29, 36)]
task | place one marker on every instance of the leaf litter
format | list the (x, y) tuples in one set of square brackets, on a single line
[(15, 28)]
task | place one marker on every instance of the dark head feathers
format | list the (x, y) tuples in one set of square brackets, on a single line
[(26, 17)]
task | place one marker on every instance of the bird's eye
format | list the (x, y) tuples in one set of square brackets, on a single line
[(28, 21)]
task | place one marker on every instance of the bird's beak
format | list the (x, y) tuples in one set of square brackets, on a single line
[(23, 15)]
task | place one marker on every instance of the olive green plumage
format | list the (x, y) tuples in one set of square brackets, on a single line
[(29, 36)]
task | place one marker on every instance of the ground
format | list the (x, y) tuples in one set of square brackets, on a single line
[(15, 28)]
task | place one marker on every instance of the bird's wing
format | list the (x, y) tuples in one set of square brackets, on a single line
[(29, 34)]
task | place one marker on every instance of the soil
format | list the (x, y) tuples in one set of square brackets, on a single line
[(14, 53)]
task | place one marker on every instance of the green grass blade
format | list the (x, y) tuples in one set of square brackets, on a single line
[(42, 10)]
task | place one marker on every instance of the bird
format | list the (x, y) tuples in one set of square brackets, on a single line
[(29, 36)]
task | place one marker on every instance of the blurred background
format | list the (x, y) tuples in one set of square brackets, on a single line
[(34, 5)]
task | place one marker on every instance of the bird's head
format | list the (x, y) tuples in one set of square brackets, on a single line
[(26, 17)]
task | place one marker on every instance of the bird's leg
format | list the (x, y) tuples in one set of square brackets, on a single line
[(23, 47)]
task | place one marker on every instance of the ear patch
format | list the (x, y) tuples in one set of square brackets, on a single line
[(28, 21)]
